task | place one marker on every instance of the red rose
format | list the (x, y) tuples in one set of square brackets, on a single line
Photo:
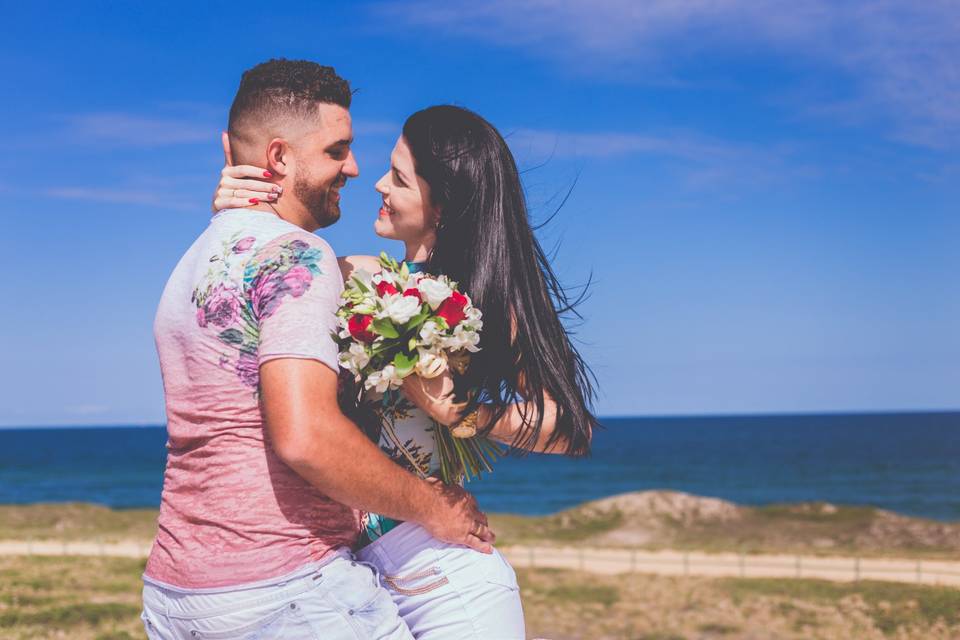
[(384, 287), (452, 308), (414, 293), (359, 326)]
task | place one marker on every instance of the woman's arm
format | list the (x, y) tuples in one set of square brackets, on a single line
[(351, 264), (435, 397)]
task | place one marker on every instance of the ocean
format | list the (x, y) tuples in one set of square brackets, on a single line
[(909, 463)]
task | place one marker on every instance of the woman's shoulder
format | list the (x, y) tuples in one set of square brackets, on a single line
[(351, 264)]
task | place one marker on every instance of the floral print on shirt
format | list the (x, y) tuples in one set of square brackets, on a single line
[(243, 287)]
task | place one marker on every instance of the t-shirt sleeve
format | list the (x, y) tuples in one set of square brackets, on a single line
[(294, 285)]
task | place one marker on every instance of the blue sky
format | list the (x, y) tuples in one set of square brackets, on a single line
[(767, 196)]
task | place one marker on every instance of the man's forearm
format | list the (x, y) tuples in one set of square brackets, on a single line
[(339, 460)]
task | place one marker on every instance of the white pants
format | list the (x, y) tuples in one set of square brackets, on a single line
[(340, 599), (447, 591)]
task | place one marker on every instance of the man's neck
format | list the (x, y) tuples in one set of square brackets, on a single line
[(287, 212)]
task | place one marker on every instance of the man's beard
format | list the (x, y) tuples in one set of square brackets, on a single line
[(316, 199)]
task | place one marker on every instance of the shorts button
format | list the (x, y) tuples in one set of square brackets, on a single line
[(293, 605), (350, 612)]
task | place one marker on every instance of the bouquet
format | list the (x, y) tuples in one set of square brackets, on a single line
[(395, 323)]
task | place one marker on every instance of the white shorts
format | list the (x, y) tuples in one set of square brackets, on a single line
[(447, 591), (339, 599)]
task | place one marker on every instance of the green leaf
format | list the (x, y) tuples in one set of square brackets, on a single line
[(361, 285), (404, 363), (388, 263), (416, 321), (412, 344), (385, 328)]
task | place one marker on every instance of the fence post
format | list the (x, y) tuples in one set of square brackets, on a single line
[(919, 572), (798, 566), (743, 568), (856, 569)]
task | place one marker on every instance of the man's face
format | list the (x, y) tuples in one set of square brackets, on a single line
[(324, 162)]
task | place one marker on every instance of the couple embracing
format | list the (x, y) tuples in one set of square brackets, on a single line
[(280, 517)]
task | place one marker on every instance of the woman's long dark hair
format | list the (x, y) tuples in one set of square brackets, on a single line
[(485, 242)]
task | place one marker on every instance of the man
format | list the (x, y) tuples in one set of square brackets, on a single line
[(264, 473)]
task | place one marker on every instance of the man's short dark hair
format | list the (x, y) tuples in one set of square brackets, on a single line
[(281, 89)]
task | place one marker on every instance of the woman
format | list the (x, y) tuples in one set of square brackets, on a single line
[(453, 197)]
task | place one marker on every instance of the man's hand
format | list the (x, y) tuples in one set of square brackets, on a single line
[(458, 519)]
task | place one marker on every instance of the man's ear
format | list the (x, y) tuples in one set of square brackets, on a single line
[(280, 161), (227, 153)]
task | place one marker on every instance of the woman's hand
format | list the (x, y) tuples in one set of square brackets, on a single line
[(244, 186), (434, 396)]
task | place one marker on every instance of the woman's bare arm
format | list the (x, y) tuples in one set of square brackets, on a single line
[(435, 397)]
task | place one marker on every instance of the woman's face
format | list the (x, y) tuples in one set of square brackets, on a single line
[(407, 213)]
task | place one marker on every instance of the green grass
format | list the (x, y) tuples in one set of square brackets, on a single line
[(601, 594), (75, 598), (816, 512), (781, 528), (890, 605), (76, 521), (68, 616), (566, 527), (714, 628)]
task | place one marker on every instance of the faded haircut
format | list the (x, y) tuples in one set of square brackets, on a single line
[(277, 92)]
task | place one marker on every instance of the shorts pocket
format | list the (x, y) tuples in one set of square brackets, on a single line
[(149, 627), (284, 622), (351, 585)]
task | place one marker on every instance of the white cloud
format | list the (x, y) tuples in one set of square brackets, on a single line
[(87, 409), (901, 58), (685, 146), (700, 162), (131, 130), (109, 195)]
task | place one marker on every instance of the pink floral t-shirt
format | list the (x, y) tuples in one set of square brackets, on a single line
[(252, 288)]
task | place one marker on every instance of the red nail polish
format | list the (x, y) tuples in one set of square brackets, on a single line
[(267, 174), (254, 201)]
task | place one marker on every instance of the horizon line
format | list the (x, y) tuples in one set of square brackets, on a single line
[(619, 416)]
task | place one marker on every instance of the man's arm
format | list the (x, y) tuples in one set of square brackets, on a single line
[(311, 435)]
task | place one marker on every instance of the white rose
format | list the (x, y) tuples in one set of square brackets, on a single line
[(430, 364), (399, 308), (434, 291)]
